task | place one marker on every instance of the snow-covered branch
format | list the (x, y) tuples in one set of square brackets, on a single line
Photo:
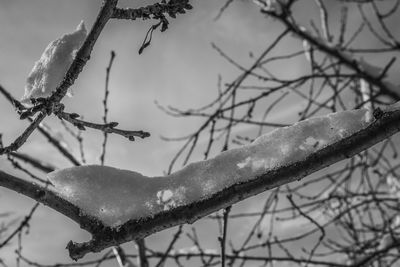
[(117, 206), (41, 194), (235, 175)]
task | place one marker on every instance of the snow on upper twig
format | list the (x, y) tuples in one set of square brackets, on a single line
[(49, 71), (115, 196), (371, 70)]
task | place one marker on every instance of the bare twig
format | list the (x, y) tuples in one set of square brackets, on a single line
[(22, 225), (223, 8), (222, 240), (43, 130), (106, 93), (34, 162), (107, 128)]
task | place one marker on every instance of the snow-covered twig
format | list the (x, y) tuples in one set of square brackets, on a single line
[(82, 56), (363, 260), (324, 20), (49, 71), (108, 11), (361, 68)]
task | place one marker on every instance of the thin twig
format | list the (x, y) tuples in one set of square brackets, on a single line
[(222, 240), (106, 93), (108, 128), (141, 247), (22, 225)]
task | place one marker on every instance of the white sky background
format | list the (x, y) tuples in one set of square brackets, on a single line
[(179, 68)]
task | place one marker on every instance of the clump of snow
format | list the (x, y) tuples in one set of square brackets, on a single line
[(370, 69), (170, 199), (111, 194), (393, 184), (116, 196), (270, 5), (274, 5), (366, 97), (394, 233), (386, 240), (49, 71), (393, 107), (307, 50)]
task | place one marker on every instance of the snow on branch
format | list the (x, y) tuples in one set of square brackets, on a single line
[(370, 73), (127, 205), (49, 71), (80, 60)]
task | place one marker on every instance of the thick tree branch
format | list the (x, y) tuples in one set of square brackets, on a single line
[(386, 124), (49, 198)]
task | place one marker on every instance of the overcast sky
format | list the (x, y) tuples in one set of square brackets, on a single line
[(179, 69)]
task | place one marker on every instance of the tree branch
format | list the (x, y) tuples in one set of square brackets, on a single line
[(385, 125), (72, 74), (42, 129), (336, 53), (49, 198), (157, 10), (106, 128)]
